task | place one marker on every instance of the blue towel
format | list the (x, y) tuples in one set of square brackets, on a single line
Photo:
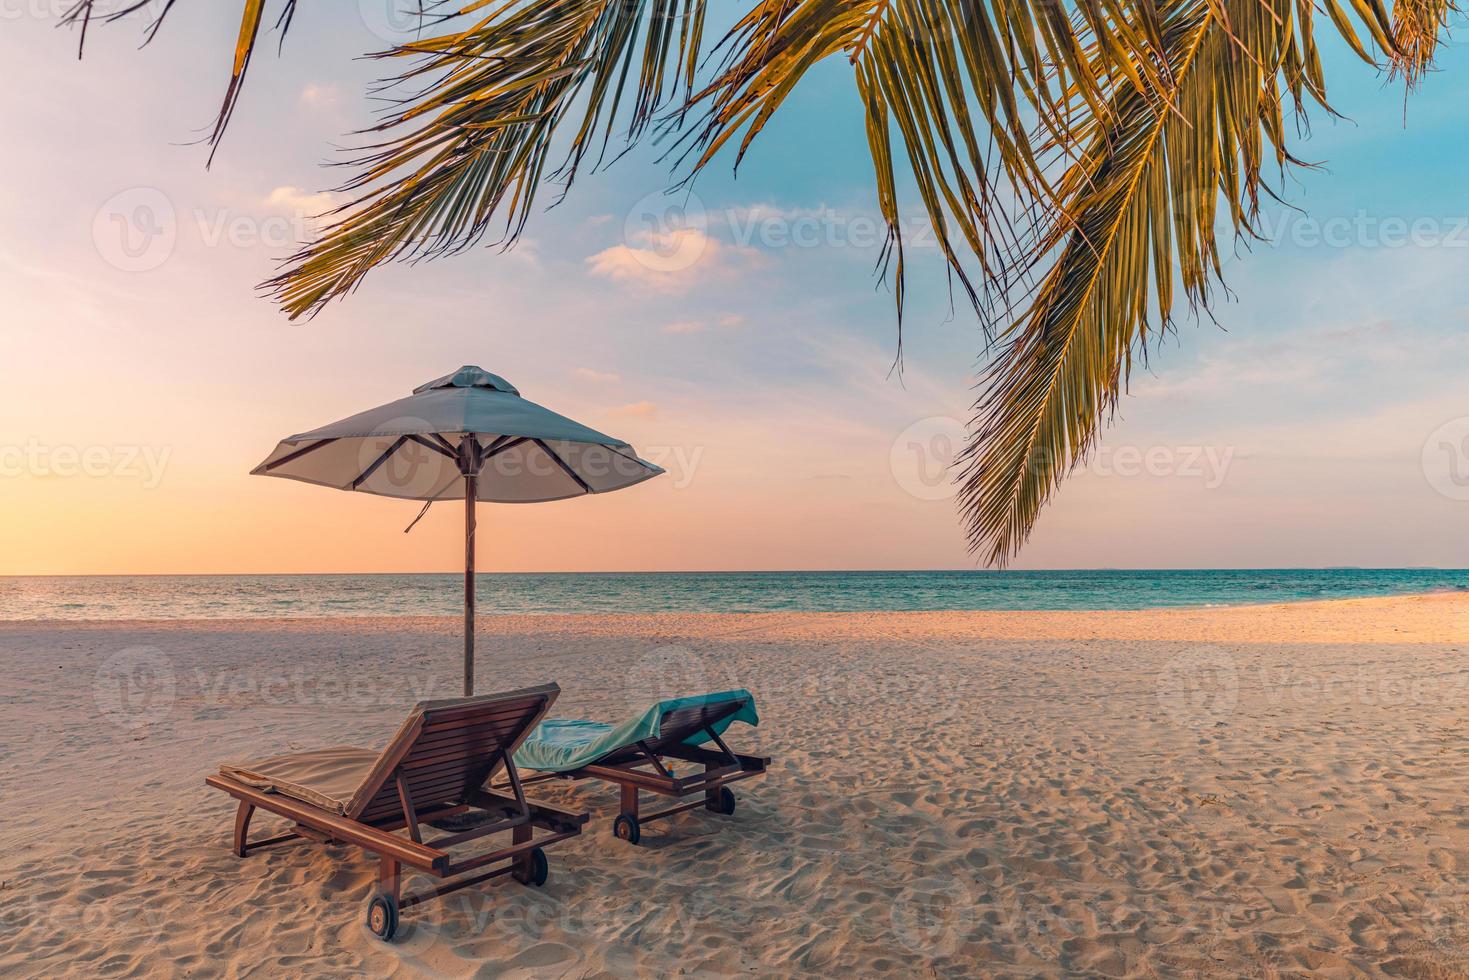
[(563, 744)]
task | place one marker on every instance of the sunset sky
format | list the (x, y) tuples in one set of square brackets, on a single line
[(749, 355)]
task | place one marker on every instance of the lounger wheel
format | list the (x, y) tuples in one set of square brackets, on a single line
[(382, 916), (725, 803), (539, 871), (626, 827)]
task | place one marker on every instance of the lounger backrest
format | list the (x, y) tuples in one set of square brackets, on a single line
[(449, 748), (681, 724)]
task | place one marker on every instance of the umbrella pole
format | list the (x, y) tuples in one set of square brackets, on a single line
[(470, 492)]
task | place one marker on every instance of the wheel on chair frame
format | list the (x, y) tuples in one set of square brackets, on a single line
[(539, 871), (626, 827), (725, 803), (382, 916)]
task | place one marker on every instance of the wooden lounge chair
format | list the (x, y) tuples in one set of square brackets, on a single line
[(436, 766), (672, 732)]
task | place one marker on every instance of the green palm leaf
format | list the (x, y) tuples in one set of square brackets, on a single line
[(1144, 194), (1071, 158)]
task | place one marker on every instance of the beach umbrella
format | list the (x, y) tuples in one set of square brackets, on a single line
[(466, 436)]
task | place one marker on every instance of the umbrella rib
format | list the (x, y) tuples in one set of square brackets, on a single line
[(434, 446), (448, 446), (565, 466), (288, 457), (362, 477), (625, 455), (495, 445), (500, 446)]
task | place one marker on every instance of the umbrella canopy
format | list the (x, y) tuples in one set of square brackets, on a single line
[(466, 436), (469, 422)]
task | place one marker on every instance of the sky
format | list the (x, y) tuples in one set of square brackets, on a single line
[(1319, 420)]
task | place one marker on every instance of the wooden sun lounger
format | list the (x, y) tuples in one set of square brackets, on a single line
[(436, 766), (642, 767)]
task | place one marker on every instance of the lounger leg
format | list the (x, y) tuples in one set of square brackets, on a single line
[(719, 799), (629, 799), (520, 835), (711, 796), (242, 826), (626, 826), (382, 907), (387, 878)]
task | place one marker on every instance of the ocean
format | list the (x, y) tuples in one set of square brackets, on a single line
[(258, 596)]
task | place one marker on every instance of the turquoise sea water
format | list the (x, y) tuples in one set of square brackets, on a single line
[(255, 596)]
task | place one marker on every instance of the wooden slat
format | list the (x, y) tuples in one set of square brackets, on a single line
[(477, 763), (442, 788), (508, 736), (424, 779), (464, 751), (495, 736), (453, 721), (513, 722), (454, 715), (424, 795)]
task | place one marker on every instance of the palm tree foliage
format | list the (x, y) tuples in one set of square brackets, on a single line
[(1078, 161)]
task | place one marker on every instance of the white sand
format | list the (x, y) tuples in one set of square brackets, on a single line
[(1266, 790)]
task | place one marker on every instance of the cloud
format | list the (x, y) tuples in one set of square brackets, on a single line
[(297, 201), (639, 410), (1311, 359), (606, 377), (699, 326), (669, 261), (526, 251), (320, 95)]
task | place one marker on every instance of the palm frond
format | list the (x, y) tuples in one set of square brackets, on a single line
[(1144, 195), (474, 144), (500, 90), (1079, 161), (954, 88), (82, 12), (1417, 27)]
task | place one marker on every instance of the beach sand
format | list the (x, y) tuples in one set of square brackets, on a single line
[(1268, 790)]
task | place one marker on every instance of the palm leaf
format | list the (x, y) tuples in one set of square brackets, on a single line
[(1144, 196), (82, 12), (1417, 27), (1073, 159), (475, 145), (500, 89)]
